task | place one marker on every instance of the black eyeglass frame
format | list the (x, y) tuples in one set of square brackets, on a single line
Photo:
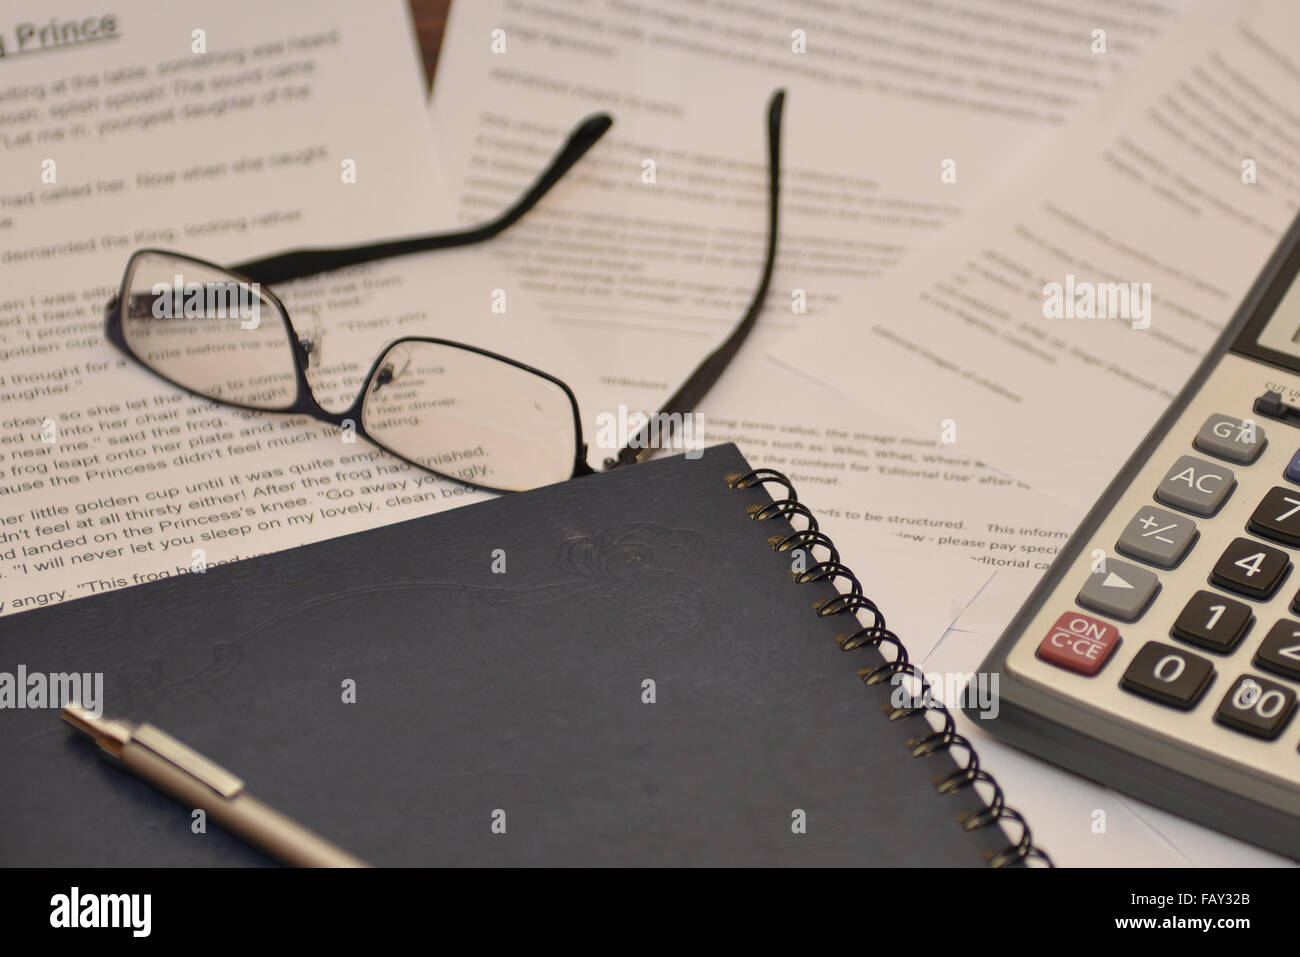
[(304, 400), (302, 263)]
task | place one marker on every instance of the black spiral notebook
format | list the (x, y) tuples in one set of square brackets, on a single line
[(620, 669)]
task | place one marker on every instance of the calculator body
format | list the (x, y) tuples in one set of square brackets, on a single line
[(1160, 654)]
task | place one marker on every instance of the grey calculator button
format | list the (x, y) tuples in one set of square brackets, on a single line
[(1195, 485), (1121, 590), (1157, 537), (1231, 439)]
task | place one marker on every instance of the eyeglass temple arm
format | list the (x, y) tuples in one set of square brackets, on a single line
[(707, 373), (300, 263)]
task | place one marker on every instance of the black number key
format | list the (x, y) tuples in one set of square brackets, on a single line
[(1280, 651), (1277, 517), (1213, 622), (1257, 706), (1251, 569), (1169, 675)]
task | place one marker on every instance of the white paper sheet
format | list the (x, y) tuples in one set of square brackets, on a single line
[(228, 155), (650, 251), (888, 528), (642, 275), (1151, 191)]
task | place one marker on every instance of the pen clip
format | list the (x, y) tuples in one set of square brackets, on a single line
[(191, 762)]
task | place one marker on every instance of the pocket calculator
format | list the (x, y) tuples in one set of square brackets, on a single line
[(1160, 654)]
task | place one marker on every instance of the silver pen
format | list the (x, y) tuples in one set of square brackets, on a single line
[(196, 782)]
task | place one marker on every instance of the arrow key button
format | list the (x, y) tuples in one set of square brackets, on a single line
[(1119, 590)]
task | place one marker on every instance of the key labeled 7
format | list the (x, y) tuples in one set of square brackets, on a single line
[(1277, 517)]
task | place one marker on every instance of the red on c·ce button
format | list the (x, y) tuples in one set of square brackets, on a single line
[(1079, 643)]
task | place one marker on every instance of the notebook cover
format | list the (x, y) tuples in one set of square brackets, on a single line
[(479, 692)]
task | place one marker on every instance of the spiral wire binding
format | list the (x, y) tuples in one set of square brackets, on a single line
[(876, 635)]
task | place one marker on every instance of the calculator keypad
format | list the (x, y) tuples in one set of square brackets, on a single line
[(1200, 544)]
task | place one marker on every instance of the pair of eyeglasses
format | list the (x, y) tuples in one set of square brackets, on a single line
[(460, 412)]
